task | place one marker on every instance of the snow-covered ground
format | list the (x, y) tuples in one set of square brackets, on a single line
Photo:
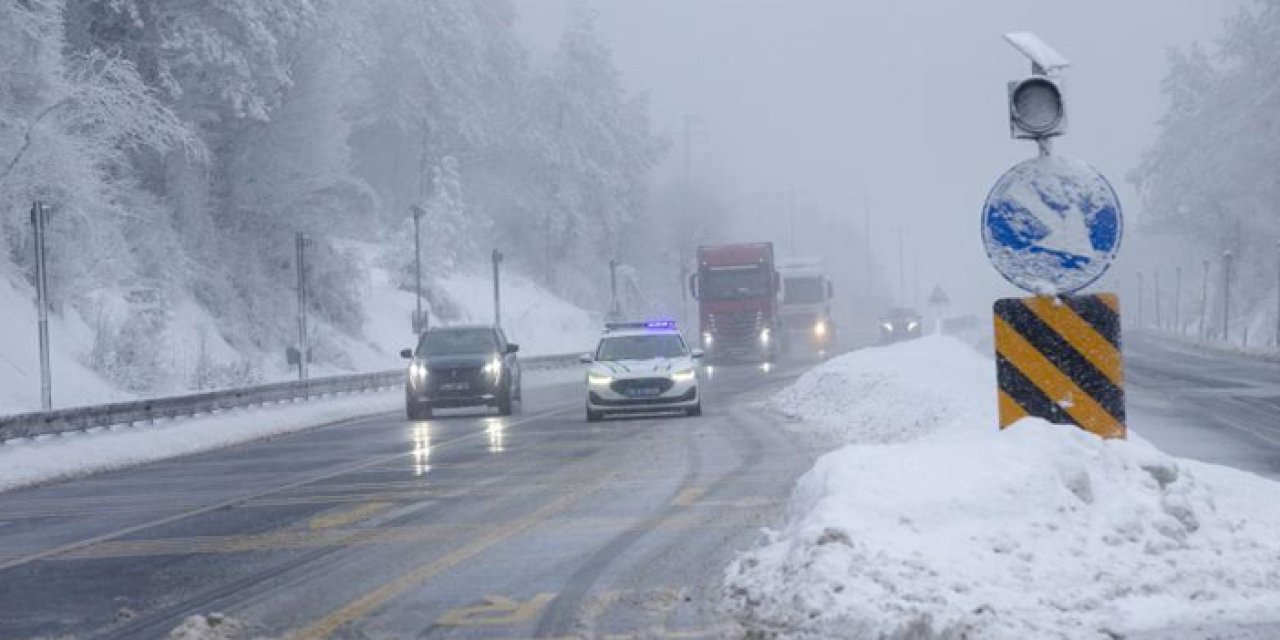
[(931, 523), (533, 317)]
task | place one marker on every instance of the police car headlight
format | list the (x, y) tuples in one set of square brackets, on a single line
[(493, 368), (764, 336), (820, 328), (684, 376), (599, 379)]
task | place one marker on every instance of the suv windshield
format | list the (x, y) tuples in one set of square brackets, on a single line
[(802, 291), (735, 283), (641, 347), (453, 342)]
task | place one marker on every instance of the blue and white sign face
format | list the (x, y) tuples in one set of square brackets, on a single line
[(1052, 225)]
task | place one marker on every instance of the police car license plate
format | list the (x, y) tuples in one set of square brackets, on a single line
[(643, 392), (455, 386)]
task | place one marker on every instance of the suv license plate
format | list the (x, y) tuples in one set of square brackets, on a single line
[(455, 386)]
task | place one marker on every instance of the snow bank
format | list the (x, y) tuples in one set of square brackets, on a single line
[(29, 462), (959, 530)]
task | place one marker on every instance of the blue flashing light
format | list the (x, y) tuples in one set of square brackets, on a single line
[(647, 324)]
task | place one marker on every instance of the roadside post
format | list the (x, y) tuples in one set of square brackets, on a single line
[(497, 288), (303, 353), (1226, 295), (1052, 226), (1204, 303), (939, 301), (39, 218)]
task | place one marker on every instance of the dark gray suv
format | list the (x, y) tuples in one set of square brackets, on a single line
[(463, 366)]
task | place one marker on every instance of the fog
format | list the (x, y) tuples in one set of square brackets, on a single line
[(898, 106)]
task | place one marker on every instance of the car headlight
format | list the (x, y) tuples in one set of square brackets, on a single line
[(764, 336), (599, 379), (417, 373), (888, 326), (911, 326), (820, 328), (684, 376), (493, 368)]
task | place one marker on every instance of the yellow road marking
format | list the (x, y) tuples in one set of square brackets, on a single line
[(1054, 383), (688, 496), (1080, 335), (364, 605), (348, 516), (496, 610)]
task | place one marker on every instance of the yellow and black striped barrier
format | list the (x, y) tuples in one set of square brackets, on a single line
[(1059, 359)]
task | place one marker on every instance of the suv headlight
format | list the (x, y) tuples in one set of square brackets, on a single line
[(417, 373), (493, 368), (684, 376), (599, 379)]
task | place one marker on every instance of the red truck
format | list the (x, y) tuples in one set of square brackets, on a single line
[(736, 286)]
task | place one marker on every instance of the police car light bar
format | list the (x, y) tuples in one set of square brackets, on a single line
[(646, 324)]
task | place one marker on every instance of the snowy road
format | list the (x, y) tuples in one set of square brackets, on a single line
[(469, 526), (1208, 406)]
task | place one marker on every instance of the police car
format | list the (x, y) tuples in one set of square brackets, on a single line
[(642, 367)]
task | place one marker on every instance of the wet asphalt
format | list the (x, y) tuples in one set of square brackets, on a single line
[(470, 525)]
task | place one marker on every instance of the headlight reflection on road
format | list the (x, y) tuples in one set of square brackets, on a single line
[(497, 433), (421, 449)]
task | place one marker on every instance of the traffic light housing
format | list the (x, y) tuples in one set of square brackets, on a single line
[(1037, 109)]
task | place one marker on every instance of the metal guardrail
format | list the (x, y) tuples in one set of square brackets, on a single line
[(77, 419)]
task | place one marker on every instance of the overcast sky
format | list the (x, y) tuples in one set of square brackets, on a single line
[(901, 103)]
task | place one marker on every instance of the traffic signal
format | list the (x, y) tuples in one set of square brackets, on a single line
[(1036, 108)]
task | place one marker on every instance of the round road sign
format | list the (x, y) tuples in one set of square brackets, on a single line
[(1052, 225)]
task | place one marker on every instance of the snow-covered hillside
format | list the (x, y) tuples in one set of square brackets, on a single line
[(539, 321), (935, 524)]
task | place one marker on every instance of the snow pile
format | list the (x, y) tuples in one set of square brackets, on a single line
[(889, 394), (1039, 531), (28, 462), (214, 626)]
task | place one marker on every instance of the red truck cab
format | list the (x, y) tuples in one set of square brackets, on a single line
[(736, 286)]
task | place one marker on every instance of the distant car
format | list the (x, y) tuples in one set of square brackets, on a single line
[(463, 366), (642, 367), (900, 323)]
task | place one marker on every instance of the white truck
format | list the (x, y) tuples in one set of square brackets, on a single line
[(805, 310)]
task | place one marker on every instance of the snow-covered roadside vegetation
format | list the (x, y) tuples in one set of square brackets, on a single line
[(179, 147), (932, 523)]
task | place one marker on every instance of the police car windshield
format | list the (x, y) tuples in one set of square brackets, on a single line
[(641, 347), (454, 342)]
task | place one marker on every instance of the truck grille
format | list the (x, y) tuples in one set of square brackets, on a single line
[(739, 327)]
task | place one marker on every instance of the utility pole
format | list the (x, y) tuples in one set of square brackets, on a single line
[(303, 351), (1226, 295), (866, 247), (615, 310), (1177, 300), (915, 276), (1278, 299), (791, 218), (1156, 285), (38, 219), (1204, 303), (419, 322), (497, 289), (902, 264)]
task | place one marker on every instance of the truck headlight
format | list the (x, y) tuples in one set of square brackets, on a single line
[(707, 338), (683, 376), (599, 379), (820, 328), (764, 336), (493, 368)]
